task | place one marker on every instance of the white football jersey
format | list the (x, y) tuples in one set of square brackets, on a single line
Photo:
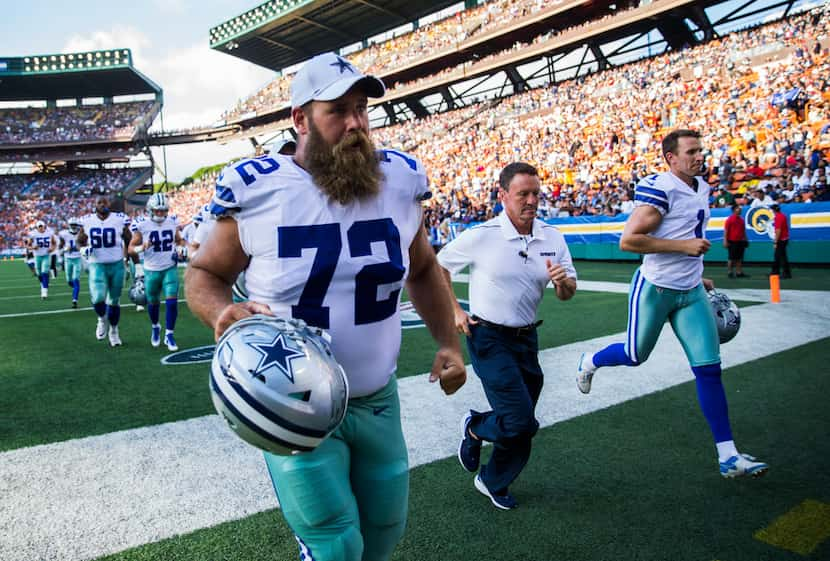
[(105, 236), (70, 244), (41, 242), (337, 267), (685, 216), (161, 254), (188, 232)]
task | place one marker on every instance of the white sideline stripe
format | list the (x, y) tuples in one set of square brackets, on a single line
[(93, 496), (51, 295), (67, 310)]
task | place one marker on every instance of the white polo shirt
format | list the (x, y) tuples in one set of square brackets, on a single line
[(505, 286)]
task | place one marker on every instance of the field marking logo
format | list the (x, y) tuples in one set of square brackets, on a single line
[(760, 220), (410, 318), (190, 356)]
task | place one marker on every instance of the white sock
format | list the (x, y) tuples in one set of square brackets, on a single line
[(168, 332), (726, 450), (588, 362)]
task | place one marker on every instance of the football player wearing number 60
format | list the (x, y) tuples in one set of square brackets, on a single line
[(668, 227), (331, 236), (157, 239), (104, 236)]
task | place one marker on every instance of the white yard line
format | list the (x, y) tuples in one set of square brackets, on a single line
[(92, 496)]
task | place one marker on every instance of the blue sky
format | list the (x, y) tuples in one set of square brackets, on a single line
[(169, 42)]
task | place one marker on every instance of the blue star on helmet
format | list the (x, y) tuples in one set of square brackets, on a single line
[(343, 64), (276, 353)]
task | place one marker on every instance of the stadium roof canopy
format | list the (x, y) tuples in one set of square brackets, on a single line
[(72, 75), (280, 33)]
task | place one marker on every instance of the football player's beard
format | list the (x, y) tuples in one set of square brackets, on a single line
[(346, 171)]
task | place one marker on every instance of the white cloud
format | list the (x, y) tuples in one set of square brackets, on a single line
[(199, 84)]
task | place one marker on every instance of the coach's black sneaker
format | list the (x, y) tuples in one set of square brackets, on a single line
[(504, 502), (469, 449)]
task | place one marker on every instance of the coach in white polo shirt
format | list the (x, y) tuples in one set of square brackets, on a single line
[(512, 259)]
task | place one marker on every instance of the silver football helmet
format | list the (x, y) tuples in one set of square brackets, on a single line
[(276, 383), (158, 202), (727, 315), (138, 292), (74, 224)]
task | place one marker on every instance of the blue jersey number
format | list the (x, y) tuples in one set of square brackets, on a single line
[(262, 165), (326, 239), (101, 237), (163, 242), (43, 242), (699, 228)]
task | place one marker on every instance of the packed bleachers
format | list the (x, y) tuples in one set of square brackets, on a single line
[(74, 124), (593, 137), (55, 197)]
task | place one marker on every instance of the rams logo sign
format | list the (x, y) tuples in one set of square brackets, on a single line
[(759, 220), (409, 320)]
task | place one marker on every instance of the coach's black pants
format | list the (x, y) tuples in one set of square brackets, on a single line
[(508, 366), (781, 263)]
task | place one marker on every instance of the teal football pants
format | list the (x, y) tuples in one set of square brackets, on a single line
[(106, 281), (347, 499), (689, 313), (72, 268), (164, 282), (42, 264)]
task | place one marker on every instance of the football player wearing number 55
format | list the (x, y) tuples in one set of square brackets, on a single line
[(330, 236), (668, 227)]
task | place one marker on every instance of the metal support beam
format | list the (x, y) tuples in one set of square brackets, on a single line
[(390, 112), (602, 61), (519, 83), (417, 107)]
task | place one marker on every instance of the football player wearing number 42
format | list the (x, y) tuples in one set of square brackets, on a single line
[(157, 239), (668, 227), (104, 236), (331, 236)]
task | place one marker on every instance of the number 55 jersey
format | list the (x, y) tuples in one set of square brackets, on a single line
[(105, 236), (337, 267)]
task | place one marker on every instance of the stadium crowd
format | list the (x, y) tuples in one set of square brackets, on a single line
[(54, 198), (761, 98), (55, 125)]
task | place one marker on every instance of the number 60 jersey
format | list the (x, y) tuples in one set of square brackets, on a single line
[(340, 268), (105, 236)]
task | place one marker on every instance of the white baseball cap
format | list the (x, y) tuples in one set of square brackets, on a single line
[(329, 76), (280, 145)]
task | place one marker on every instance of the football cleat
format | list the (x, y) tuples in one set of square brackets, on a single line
[(277, 384), (44, 292), (503, 502), (155, 335), (469, 449), (101, 329), (115, 339), (584, 373), (170, 342), (743, 464), (74, 304)]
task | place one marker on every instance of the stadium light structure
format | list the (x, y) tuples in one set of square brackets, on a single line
[(252, 19), (70, 62)]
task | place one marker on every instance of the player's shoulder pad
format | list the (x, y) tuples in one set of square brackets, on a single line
[(654, 190), (399, 165)]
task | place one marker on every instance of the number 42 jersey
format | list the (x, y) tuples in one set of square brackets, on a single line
[(340, 268), (162, 237), (105, 236)]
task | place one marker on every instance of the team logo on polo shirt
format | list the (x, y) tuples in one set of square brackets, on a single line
[(760, 220), (410, 318)]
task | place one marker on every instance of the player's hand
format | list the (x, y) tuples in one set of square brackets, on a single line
[(463, 321), (556, 272), (235, 312), (708, 284), (448, 367), (146, 245), (696, 246)]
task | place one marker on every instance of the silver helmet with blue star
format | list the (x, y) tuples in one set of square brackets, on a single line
[(276, 383)]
